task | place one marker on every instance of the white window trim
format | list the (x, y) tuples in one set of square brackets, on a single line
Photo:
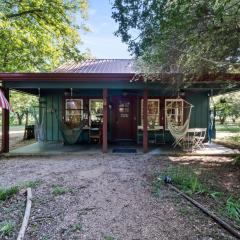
[(172, 100), (158, 113), (89, 107), (73, 99)]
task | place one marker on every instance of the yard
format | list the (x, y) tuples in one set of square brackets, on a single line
[(114, 197), (228, 134)]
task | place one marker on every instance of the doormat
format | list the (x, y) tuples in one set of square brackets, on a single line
[(124, 150)]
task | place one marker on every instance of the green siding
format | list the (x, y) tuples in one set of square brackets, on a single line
[(54, 100)]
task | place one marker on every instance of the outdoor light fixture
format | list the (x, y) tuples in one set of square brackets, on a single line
[(66, 93)]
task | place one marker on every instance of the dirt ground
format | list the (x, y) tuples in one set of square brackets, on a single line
[(106, 197)]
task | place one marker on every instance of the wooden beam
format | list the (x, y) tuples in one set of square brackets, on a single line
[(145, 121), (105, 121), (5, 125)]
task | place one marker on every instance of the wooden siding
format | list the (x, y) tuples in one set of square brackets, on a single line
[(199, 116)]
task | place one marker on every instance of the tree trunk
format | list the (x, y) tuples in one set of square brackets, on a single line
[(20, 118), (222, 120)]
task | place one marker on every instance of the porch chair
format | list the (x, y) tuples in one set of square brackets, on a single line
[(158, 132), (95, 132), (200, 137)]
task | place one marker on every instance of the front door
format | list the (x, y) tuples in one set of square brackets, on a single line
[(123, 118)]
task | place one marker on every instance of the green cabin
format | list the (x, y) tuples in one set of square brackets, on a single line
[(104, 101)]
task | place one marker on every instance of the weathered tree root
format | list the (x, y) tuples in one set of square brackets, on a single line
[(218, 220), (26, 215)]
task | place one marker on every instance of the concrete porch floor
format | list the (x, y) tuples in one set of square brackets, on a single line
[(40, 149)]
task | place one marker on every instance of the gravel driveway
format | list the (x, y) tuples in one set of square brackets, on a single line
[(105, 197)]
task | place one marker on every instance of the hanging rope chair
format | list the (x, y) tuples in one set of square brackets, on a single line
[(38, 114), (178, 115), (70, 135)]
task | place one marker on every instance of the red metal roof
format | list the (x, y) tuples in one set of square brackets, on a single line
[(98, 66)]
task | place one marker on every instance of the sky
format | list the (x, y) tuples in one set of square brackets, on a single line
[(101, 40)]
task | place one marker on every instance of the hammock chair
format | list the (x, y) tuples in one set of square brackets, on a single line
[(70, 135), (175, 121), (38, 114)]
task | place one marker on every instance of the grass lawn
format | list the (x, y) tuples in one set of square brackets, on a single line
[(215, 184), (228, 135)]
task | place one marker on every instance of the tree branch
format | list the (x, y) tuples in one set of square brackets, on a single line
[(22, 13)]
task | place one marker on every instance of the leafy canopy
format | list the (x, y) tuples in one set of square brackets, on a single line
[(38, 35), (190, 36)]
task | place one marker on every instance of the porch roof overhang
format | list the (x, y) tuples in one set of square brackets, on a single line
[(217, 82)]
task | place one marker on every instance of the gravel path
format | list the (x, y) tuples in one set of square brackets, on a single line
[(105, 197)]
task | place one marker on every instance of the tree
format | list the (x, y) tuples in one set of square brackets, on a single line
[(191, 36), (22, 103), (228, 106), (38, 35)]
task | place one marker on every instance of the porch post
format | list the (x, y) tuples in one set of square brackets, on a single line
[(145, 121), (105, 121), (5, 124)]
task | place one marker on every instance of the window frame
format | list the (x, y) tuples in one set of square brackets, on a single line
[(158, 110), (89, 107), (66, 114), (165, 109)]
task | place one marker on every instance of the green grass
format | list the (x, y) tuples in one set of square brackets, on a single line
[(76, 227), (226, 128), (236, 161), (6, 228), (235, 139), (6, 193), (32, 184), (59, 190), (233, 208), (185, 178), (108, 238)]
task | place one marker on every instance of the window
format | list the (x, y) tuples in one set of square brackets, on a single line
[(174, 107), (73, 111), (124, 109), (96, 111), (153, 112)]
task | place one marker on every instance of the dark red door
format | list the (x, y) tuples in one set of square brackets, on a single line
[(123, 118)]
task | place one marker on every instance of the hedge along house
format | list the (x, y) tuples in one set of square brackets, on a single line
[(103, 90)]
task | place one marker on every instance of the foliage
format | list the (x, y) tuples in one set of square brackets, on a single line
[(227, 107), (21, 103), (32, 184), (6, 193), (233, 208), (38, 35), (108, 238), (189, 36), (236, 161), (183, 177), (6, 228), (58, 190)]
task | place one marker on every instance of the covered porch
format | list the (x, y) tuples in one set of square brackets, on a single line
[(105, 92), (48, 149)]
